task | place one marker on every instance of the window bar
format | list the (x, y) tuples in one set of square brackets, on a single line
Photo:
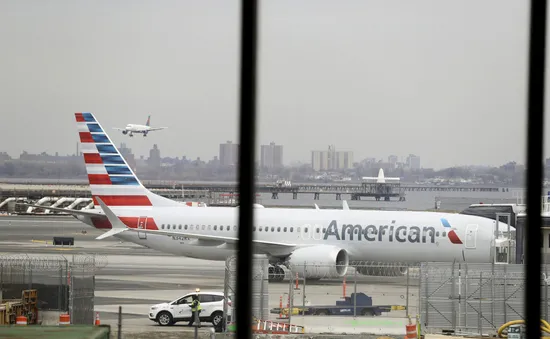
[(535, 138), (243, 300)]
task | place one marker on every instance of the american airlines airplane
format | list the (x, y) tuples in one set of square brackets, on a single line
[(144, 129), (331, 239)]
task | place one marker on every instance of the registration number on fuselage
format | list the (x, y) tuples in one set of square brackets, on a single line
[(179, 237)]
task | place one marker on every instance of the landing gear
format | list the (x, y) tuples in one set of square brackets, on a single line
[(131, 135)]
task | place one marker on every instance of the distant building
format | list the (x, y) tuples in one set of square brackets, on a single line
[(229, 154), (128, 155), (331, 160), (392, 160), (413, 162), (154, 157), (271, 156)]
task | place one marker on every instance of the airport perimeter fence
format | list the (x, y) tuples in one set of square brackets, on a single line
[(364, 292), (64, 284), (475, 298)]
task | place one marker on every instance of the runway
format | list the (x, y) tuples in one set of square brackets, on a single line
[(136, 277)]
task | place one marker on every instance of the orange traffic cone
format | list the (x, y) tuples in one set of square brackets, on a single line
[(97, 322)]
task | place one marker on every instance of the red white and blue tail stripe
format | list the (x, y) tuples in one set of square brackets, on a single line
[(109, 175)]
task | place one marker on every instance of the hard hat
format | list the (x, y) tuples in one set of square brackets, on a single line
[(197, 290)]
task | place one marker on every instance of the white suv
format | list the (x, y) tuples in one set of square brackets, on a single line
[(179, 310)]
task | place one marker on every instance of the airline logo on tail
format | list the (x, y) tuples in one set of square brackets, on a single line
[(109, 175), (451, 233)]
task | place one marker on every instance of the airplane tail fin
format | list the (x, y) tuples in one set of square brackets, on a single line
[(109, 175), (148, 123)]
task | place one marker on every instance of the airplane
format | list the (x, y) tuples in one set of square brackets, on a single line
[(144, 129), (381, 179), (316, 243)]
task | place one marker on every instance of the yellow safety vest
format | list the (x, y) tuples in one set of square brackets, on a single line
[(196, 306)]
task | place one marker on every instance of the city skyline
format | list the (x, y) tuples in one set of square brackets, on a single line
[(453, 95), (391, 161)]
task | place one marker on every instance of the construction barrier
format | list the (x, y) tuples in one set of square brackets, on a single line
[(21, 320), (64, 319), (271, 327), (411, 331)]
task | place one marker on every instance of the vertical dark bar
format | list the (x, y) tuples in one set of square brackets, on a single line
[(246, 168), (535, 134)]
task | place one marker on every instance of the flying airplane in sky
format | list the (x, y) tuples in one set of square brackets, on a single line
[(328, 241), (143, 129)]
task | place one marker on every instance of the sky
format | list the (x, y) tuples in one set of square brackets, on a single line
[(445, 80)]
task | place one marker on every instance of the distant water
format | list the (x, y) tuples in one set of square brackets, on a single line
[(454, 201)]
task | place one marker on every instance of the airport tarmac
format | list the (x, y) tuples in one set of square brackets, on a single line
[(135, 278)]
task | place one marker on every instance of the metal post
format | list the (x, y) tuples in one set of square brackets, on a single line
[(290, 297), (480, 303), (355, 293), (407, 293), (196, 325), (304, 288), (119, 325), (534, 165), (453, 296), (504, 297), (225, 296)]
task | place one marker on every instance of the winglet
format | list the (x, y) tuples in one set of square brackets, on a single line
[(316, 207), (345, 205), (118, 226), (111, 233)]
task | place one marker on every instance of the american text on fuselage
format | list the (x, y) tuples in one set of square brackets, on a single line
[(412, 234)]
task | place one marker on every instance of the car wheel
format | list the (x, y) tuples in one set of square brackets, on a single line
[(164, 318), (217, 318)]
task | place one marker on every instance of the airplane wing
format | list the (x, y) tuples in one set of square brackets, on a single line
[(119, 129), (156, 128), (91, 213), (119, 227)]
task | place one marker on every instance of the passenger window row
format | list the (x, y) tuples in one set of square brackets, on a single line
[(228, 228), (267, 229)]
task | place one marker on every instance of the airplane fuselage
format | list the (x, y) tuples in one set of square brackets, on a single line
[(388, 236), (137, 128)]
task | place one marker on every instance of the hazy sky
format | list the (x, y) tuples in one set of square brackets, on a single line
[(445, 80)]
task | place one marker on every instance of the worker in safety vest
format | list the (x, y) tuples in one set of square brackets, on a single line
[(195, 311)]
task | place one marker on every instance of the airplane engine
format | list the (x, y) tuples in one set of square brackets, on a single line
[(277, 273), (124, 132), (322, 261)]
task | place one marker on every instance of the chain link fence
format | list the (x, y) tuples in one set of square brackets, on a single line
[(64, 284), (474, 298), (350, 298), (260, 289)]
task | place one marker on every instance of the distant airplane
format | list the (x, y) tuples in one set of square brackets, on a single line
[(381, 179), (144, 129)]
